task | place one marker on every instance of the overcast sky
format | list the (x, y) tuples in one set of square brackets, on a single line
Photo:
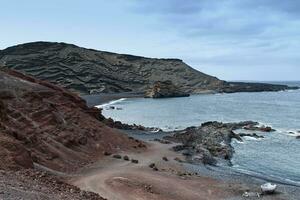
[(230, 39)]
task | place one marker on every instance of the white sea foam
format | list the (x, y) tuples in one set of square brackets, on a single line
[(237, 141), (252, 138), (110, 103), (242, 170)]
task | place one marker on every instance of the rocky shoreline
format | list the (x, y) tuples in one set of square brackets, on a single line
[(211, 141)]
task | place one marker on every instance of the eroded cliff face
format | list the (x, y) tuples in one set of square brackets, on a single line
[(43, 124), (89, 71)]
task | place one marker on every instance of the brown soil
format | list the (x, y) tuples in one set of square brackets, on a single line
[(45, 124), (30, 184), (120, 180)]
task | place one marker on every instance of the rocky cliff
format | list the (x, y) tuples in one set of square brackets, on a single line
[(43, 125), (89, 71)]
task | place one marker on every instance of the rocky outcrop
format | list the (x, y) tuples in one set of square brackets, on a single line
[(259, 128), (165, 89), (89, 71), (42, 124), (254, 135), (232, 87), (119, 125), (208, 142)]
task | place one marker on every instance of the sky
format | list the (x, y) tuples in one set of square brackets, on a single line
[(230, 39)]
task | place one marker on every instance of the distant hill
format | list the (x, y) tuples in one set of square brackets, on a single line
[(89, 71)]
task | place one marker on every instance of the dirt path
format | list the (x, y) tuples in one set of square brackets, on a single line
[(122, 180)]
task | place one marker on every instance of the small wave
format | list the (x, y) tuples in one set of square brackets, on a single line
[(252, 138), (268, 177), (110, 103), (289, 132)]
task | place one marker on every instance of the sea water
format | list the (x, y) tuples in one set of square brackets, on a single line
[(276, 156)]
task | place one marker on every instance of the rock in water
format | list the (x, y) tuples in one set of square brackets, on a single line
[(165, 89)]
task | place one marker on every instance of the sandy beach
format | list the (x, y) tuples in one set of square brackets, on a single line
[(98, 99), (117, 179)]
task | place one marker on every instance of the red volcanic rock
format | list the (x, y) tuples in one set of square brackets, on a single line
[(13, 154), (48, 125)]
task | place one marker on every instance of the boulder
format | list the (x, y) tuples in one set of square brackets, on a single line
[(117, 156), (165, 89), (126, 158), (106, 153), (165, 158), (268, 188), (178, 159), (134, 161), (152, 165)]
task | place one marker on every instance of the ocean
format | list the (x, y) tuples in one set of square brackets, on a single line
[(276, 157)]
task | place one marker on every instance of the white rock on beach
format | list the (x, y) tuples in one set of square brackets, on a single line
[(268, 188), (251, 194)]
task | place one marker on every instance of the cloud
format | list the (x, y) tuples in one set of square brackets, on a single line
[(236, 33), (244, 18)]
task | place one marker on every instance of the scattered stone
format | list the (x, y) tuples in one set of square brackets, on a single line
[(251, 195), (182, 174), (126, 158), (106, 153), (117, 156), (178, 148), (165, 158), (178, 159), (148, 188), (162, 141), (152, 165), (134, 161), (155, 168), (186, 153), (141, 145)]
